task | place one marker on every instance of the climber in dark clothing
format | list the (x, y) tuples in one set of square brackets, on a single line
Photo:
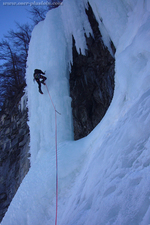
[(37, 76)]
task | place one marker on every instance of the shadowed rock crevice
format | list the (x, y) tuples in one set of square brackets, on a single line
[(14, 149), (91, 81)]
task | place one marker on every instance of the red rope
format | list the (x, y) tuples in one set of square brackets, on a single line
[(50, 97), (56, 156), (56, 168)]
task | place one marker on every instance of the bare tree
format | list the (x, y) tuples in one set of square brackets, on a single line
[(54, 3), (20, 40), (13, 56), (11, 69), (38, 13)]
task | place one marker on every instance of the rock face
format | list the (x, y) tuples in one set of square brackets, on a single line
[(14, 150), (91, 82)]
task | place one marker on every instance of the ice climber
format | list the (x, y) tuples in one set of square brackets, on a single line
[(38, 76)]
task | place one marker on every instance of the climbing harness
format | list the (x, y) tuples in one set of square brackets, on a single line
[(56, 153), (37, 75)]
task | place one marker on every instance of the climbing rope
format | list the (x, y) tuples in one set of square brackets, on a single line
[(56, 154), (56, 168)]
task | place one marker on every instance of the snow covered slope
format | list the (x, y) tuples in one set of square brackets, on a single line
[(103, 178)]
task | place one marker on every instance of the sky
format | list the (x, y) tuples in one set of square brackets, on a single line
[(9, 14), (12, 11)]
